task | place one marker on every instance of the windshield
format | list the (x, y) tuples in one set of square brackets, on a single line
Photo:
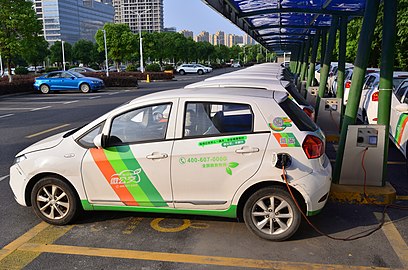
[(76, 74)]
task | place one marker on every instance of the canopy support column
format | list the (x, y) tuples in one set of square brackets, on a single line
[(386, 73), (360, 66), (342, 61), (305, 61), (323, 46), (324, 71), (300, 58), (313, 59)]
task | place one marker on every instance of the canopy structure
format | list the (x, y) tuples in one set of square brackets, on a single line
[(283, 24)]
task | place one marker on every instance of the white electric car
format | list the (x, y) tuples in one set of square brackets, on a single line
[(218, 152)]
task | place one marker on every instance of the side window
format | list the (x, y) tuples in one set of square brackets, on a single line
[(87, 139), (401, 90), (140, 125), (206, 119)]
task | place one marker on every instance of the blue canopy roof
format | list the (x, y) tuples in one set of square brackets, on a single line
[(281, 24)]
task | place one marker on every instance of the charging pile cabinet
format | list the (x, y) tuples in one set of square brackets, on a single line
[(360, 138), (312, 93), (329, 115)]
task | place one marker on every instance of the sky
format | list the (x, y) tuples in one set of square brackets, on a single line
[(196, 16)]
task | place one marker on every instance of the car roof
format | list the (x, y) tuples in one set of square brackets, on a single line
[(215, 93), (238, 82)]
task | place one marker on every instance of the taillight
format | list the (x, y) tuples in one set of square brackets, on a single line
[(348, 84), (374, 97), (313, 147), (309, 113)]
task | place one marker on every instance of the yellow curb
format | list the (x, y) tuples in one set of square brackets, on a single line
[(355, 194)]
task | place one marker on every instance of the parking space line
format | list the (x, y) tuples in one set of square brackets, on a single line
[(6, 115), (94, 97), (15, 109), (3, 177), (42, 108), (69, 102), (11, 247), (46, 131), (182, 258), (18, 259), (394, 237), (114, 93)]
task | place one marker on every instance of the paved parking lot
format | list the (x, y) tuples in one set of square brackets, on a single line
[(123, 240)]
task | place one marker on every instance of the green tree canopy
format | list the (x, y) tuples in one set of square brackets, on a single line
[(83, 51), (18, 23), (56, 52), (35, 50), (121, 42)]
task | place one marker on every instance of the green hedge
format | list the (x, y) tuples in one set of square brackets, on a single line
[(20, 84)]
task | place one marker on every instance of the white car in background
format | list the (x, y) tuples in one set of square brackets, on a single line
[(368, 106), (191, 68), (221, 152)]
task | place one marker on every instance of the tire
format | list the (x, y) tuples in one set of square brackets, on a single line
[(85, 88), (200, 72), (54, 201), (262, 220), (182, 72), (45, 89)]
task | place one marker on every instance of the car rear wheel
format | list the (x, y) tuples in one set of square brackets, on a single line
[(45, 89), (271, 214), (85, 88), (54, 201), (182, 72), (200, 72)]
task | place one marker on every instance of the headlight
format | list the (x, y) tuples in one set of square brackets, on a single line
[(18, 159)]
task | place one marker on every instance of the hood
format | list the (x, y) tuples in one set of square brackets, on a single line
[(47, 143)]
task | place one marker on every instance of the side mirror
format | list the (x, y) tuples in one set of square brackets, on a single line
[(402, 108), (98, 141), (72, 78)]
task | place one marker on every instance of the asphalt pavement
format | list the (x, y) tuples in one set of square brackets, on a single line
[(124, 240)]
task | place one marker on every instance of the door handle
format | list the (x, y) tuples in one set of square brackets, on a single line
[(156, 155), (247, 150)]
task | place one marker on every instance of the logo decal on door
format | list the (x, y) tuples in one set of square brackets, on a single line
[(126, 177), (133, 187)]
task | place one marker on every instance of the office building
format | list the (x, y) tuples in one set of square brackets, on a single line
[(187, 33), (203, 37), (72, 20), (150, 11)]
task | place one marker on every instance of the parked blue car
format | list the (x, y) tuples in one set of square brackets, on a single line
[(67, 80)]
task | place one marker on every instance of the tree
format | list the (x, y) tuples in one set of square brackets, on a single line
[(83, 51), (35, 50), (56, 53), (121, 42), (18, 23)]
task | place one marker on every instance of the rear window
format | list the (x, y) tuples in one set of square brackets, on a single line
[(292, 90), (299, 117)]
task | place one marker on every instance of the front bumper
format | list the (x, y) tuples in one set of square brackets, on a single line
[(18, 182)]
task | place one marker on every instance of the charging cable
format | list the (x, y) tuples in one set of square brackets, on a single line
[(349, 238)]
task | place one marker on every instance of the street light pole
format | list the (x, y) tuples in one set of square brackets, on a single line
[(106, 53), (1, 66), (140, 36), (63, 55)]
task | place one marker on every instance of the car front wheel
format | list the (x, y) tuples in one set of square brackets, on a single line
[(85, 88), (54, 201), (271, 214), (200, 72), (45, 89)]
